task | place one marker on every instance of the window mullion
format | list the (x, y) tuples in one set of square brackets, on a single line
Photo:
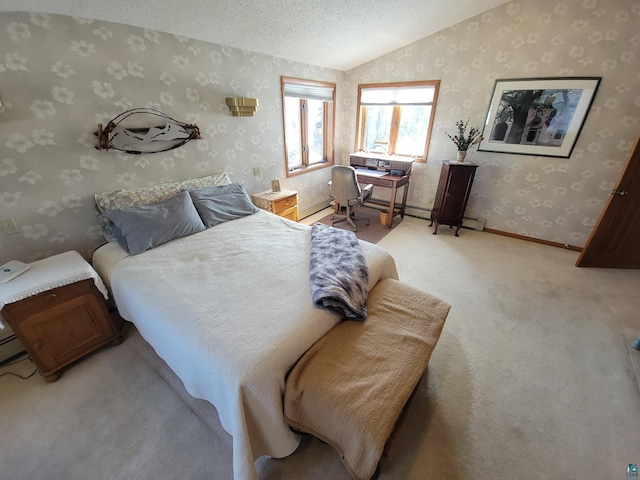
[(395, 127), (363, 129), (303, 131), (326, 136)]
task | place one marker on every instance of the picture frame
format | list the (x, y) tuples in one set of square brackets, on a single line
[(537, 116), (275, 185)]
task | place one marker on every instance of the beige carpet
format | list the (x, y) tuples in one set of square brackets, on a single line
[(373, 233), (532, 379)]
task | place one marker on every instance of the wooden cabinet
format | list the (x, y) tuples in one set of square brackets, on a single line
[(283, 203), (61, 325), (452, 195)]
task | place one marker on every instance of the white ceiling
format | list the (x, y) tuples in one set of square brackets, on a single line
[(339, 34)]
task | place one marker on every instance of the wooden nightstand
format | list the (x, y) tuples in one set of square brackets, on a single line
[(57, 309), (283, 203)]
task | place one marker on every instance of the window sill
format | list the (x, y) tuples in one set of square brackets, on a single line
[(307, 169)]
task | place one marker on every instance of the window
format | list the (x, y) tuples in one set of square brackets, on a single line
[(308, 109), (396, 118)]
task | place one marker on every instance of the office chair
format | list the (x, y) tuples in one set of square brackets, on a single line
[(347, 193)]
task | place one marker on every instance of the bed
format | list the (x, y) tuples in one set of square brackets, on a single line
[(229, 309)]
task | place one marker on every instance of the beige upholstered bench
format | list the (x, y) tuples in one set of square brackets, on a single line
[(350, 387)]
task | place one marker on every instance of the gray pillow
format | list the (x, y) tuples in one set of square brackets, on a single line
[(147, 226), (222, 203)]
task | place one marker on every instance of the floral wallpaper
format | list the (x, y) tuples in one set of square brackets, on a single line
[(549, 198), (61, 76)]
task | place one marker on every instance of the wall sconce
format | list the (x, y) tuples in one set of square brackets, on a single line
[(242, 107)]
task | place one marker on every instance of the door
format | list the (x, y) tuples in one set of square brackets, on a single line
[(615, 240)]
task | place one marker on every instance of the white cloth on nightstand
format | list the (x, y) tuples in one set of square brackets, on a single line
[(56, 271)]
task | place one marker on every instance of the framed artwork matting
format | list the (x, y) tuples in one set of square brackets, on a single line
[(537, 116)]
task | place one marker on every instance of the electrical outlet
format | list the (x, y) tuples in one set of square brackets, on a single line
[(256, 171), (9, 227)]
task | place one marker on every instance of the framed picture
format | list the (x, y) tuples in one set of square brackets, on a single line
[(537, 116), (275, 185)]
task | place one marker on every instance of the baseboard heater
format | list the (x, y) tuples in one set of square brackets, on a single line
[(10, 346), (315, 208), (471, 223)]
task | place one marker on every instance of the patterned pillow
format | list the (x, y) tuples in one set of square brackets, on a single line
[(136, 197)]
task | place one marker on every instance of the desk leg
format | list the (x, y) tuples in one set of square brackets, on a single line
[(404, 199), (392, 206)]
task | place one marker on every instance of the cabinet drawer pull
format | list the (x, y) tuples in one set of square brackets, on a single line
[(52, 296), (37, 345)]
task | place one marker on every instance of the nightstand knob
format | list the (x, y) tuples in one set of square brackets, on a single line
[(52, 296), (37, 345)]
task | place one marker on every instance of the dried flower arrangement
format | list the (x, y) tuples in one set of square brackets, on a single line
[(464, 142)]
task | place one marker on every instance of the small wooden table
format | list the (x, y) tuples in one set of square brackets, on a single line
[(388, 181), (387, 171), (58, 312), (283, 203)]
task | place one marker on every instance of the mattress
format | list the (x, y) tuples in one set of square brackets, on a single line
[(230, 311)]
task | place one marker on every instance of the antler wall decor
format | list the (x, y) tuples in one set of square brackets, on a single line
[(144, 130)]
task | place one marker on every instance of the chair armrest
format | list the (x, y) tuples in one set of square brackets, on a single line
[(366, 193)]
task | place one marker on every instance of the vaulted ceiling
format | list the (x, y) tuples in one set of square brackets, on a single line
[(336, 34)]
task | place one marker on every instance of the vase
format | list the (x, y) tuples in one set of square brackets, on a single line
[(462, 154)]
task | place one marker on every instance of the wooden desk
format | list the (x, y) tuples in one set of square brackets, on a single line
[(374, 169), (388, 181)]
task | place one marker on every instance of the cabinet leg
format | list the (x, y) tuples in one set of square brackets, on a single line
[(457, 230), (435, 231), (52, 377)]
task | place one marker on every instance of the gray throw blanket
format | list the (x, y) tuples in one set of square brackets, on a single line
[(339, 274)]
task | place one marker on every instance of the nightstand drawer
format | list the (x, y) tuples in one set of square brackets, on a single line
[(281, 205), (49, 299), (290, 213)]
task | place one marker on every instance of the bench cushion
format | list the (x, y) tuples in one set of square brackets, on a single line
[(350, 387)]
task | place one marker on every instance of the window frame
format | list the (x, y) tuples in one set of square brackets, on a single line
[(395, 117), (328, 140)]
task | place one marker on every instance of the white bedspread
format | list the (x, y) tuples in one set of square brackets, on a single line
[(230, 311)]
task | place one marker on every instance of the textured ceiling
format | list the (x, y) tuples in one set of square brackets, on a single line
[(339, 34)]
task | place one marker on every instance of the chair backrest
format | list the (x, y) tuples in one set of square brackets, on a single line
[(344, 184)]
